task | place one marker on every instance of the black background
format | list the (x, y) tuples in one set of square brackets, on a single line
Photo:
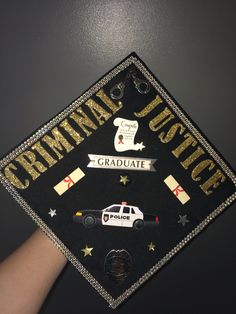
[(52, 51)]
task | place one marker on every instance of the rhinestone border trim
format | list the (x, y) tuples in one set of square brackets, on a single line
[(113, 303)]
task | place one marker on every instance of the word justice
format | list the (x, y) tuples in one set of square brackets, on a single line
[(169, 128)]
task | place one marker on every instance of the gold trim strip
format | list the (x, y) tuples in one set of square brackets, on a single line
[(113, 303)]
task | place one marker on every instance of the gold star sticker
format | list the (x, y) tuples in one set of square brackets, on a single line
[(87, 250), (151, 247), (124, 180)]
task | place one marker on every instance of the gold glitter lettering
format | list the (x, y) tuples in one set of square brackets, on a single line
[(98, 112), (46, 156), (190, 141), (58, 143), (71, 131), (110, 104), (28, 161), (214, 181), (83, 120), (194, 156), (165, 115), (208, 163), (152, 105), (13, 178), (166, 138)]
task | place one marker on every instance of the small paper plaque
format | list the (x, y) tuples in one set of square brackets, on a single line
[(69, 181), (177, 189)]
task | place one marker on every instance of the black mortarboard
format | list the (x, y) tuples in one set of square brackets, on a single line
[(120, 180)]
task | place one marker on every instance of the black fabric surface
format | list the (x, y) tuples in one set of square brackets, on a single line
[(101, 188)]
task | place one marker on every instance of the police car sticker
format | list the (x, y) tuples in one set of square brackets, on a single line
[(116, 215)]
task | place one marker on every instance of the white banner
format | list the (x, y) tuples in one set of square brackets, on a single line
[(118, 162)]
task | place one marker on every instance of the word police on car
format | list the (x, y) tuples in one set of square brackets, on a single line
[(117, 215)]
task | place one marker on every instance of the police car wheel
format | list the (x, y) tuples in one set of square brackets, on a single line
[(138, 224), (89, 221)]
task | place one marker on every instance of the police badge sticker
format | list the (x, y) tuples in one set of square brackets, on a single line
[(118, 266), (120, 180)]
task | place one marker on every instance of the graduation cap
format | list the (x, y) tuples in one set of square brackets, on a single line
[(120, 180)]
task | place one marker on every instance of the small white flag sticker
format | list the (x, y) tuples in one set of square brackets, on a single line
[(69, 181)]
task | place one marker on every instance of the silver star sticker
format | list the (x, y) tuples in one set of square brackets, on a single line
[(52, 212), (183, 220)]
